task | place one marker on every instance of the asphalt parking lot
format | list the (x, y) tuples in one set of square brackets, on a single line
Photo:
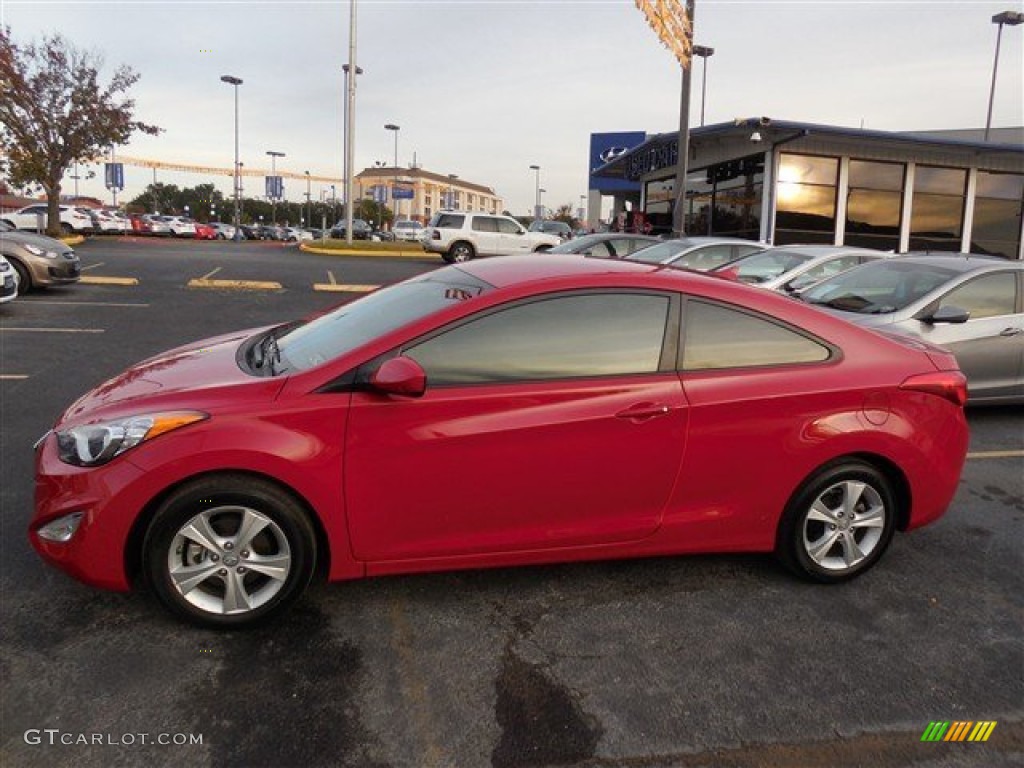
[(699, 661)]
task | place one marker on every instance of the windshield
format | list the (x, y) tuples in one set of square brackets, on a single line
[(762, 266), (376, 314), (879, 287)]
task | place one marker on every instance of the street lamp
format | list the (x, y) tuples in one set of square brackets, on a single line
[(705, 53), (235, 81), (451, 195), (395, 129), (309, 202), (351, 71), (1012, 18), (536, 205), (540, 207), (272, 192)]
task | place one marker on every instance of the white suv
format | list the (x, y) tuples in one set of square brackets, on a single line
[(72, 219), (461, 236)]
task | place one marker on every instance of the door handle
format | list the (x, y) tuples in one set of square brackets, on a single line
[(1011, 331), (644, 411)]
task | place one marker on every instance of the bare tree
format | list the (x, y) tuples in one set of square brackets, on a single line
[(54, 112)]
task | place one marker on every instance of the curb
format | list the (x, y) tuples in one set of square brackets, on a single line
[(101, 280), (367, 254), (73, 240)]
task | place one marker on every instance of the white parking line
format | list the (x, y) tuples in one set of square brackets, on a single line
[(208, 275), (13, 376), (996, 455), (5, 329), (22, 302), (93, 266)]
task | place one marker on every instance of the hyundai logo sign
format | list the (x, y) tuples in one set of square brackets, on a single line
[(612, 152)]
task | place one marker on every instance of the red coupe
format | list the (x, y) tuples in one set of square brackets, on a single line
[(503, 412)]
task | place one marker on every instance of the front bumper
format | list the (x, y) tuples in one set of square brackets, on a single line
[(109, 498)]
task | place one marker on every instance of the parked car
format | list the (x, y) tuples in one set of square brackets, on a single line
[(520, 372), (249, 232), (297, 234), (157, 225), (407, 229), (139, 224), (607, 245), (102, 221), (33, 217), (700, 253), (180, 226), (205, 231), (971, 305), (360, 230), (792, 267), (39, 261), (559, 229), (224, 231), (8, 281), (460, 236)]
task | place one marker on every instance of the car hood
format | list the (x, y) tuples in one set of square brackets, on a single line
[(41, 241), (198, 376)]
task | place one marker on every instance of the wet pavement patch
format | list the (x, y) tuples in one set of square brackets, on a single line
[(284, 696), (541, 723)]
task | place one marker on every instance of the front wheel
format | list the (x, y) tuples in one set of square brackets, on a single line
[(838, 524), (229, 552)]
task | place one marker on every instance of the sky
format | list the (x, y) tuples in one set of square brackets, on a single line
[(486, 88)]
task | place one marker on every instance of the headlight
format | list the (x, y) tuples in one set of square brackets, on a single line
[(93, 444), (39, 251)]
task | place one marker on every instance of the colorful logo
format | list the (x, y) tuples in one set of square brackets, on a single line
[(959, 730)]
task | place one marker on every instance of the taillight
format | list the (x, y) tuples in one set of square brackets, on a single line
[(951, 385)]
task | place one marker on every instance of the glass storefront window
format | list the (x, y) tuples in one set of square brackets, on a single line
[(722, 200), (806, 199), (874, 203), (937, 216), (998, 203)]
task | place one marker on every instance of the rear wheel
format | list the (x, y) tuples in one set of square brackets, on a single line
[(229, 552), (838, 524), (459, 252)]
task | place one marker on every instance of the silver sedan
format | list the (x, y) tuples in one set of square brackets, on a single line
[(971, 305), (792, 267), (700, 253)]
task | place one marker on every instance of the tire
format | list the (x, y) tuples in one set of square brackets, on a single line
[(229, 552), (66, 228), (24, 279), (459, 252), (838, 524), (542, 249)]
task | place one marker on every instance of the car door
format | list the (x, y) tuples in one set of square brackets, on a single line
[(549, 423), (513, 237), (990, 345), (486, 238)]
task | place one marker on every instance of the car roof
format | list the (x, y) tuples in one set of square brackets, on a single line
[(959, 262), (824, 250)]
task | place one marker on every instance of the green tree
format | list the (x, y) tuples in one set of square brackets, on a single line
[(54, 112)]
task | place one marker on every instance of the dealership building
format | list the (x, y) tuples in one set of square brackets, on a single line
[(784, 182)]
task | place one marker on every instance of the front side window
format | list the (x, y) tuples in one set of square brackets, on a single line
[(721, 337), (987, 296), (508, 227), (564, 337)]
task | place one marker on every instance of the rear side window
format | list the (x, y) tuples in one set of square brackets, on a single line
[(448, 221), (484, 224), (562, 337), (719, 337)]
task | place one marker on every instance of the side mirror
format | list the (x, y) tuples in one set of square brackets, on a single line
[(947, 314), (400, 376)]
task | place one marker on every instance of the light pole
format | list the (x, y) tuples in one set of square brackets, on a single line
[(536, 204), (351, 72), (540, 206), (272, 192), (705, 53), (309, 203), (236, 81), (451, 195), (395, 129), (1012, 18)]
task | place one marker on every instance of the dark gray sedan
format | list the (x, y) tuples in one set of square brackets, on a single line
[(971, 305)]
